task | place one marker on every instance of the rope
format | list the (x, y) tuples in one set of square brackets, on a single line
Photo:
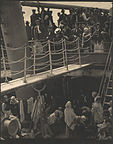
[(42, 53), (16, 48), (57, 42), (58, 63), (30, 46), (84, 48), (41, 64), (14, 71), (72, 49), (87, 39), (29, 67), (29, 57), (13, 62), (73, 59), (42, 45), (17, 73), (54, 53), (42, 57), (70, 42), (57, 60), (70, 53), (85, 56), (43, 67), (5, 63), (57, 50), (42, 41)]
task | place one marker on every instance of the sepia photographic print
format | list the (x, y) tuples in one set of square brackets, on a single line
[(56, 70)]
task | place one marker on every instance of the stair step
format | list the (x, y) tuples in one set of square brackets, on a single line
[(106, 103), (109, 95)]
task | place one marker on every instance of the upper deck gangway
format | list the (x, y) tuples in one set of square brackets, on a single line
[(55, 59)]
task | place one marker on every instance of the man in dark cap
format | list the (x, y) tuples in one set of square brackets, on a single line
[(14, 106), (33, 18), (6, 106), (28, 30), (63, 16)]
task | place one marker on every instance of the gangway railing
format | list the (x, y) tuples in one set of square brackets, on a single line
[(45, 56)]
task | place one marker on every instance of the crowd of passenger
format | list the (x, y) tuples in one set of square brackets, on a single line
[(46, 121), (91, 25)]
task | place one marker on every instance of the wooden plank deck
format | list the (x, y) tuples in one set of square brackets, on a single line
[(39, 77)]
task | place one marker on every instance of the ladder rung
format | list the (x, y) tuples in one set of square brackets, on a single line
[(107, 103), (109, 95), (109, 87)]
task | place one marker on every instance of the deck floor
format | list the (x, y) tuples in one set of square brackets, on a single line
[(39, 77)]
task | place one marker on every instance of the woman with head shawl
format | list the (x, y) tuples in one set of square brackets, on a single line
[(69, 117), (97, 110)]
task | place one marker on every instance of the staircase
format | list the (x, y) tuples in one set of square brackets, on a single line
[(108, 93), (105, 89)]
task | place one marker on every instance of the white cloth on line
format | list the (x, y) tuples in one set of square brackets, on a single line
[(29, 105), (22, 115)]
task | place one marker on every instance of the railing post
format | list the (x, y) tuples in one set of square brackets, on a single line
[(6, 80), (65, 54), (25, 65), (34, 59), (79, 53), (53, 44), (50, 58)]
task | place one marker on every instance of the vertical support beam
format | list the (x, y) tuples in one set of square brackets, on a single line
[(50, 58), (79, 53), (63, 52), (66, 61), (15, 37), (34, 60), (25, 70), (53, 44)]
